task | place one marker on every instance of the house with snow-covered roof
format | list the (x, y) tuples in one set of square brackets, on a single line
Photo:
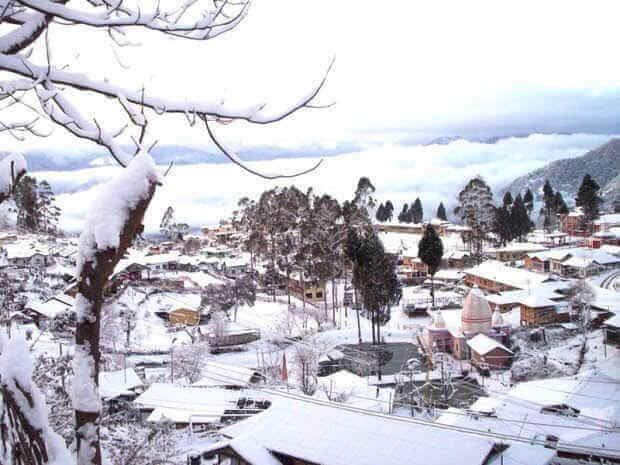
[(485, 350), (495, 276), (514, 251), (185, 405), (572, 262), (120, 384), (575, 417), (304, 431)]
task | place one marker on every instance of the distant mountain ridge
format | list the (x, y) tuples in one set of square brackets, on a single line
[(602, 163), (57, 160)]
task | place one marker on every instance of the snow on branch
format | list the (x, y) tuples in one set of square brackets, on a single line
[(26, 436), (256, 113), (114, 202), (23, 36), (211, 24)]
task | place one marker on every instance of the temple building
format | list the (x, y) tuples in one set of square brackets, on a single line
[(476, 318)]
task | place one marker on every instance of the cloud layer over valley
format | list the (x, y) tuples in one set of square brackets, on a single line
[(205, 193)]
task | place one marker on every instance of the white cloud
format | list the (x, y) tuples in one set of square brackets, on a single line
[(203, 194)]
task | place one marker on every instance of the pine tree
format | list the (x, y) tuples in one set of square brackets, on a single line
[(417, 211), (548, 204), (27, 204), (560, 205), (441, 212), (47, 211), (588, 198), (520, 222), (528, 200), (380, 214), (476, 210), (502, 225), (374, 274), (389, 211), (507, 202), (403, 216), (430, 251)]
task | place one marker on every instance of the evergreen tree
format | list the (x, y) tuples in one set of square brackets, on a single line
[(441, 212), (520, 222), (380, 214), (476, 210), (588, 198), (47, 211), (507, 199), (502, 225), (430, 251), (548, 204), (27, 204), (403, 216), (417, 212), (528, 200), (374, 274), (560, 206), (389, 211)]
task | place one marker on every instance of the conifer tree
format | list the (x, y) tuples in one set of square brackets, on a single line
[(380, 214), (403, 216), (476, 210), (502, 225), (520, 222), (507, 199), (548, 204), (588, 198), (26, 200), (430, 251), (560, 205), (528, 200), (441, 212), (48, 212), (389, 211), (417, 213)]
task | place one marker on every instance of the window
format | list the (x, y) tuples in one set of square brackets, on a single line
[(319, 295)]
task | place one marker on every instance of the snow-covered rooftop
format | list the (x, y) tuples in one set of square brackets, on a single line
[(497, 271), (115, 383), (222, 374), (332, 434), (482, 344)]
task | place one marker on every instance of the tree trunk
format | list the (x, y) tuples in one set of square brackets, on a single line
[(372, 327), (433, 290), (333, 301), (91, 284), (273, 265), (357, 311), (288, 286)]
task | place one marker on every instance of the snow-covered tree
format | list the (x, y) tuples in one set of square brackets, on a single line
[(441, 212), (475, 208), (48, 212), (115, 217), (430, 251)]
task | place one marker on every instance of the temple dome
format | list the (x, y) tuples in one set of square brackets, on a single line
[(476, 316), (497, 319)]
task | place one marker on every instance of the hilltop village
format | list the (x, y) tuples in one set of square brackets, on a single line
[(230, 343)]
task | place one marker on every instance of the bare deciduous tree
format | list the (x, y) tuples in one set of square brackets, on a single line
[(116, 218)]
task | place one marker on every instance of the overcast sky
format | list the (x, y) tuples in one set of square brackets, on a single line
[(405, 71)]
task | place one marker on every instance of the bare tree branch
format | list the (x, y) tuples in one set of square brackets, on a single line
[(237, 161), (255, 114)]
